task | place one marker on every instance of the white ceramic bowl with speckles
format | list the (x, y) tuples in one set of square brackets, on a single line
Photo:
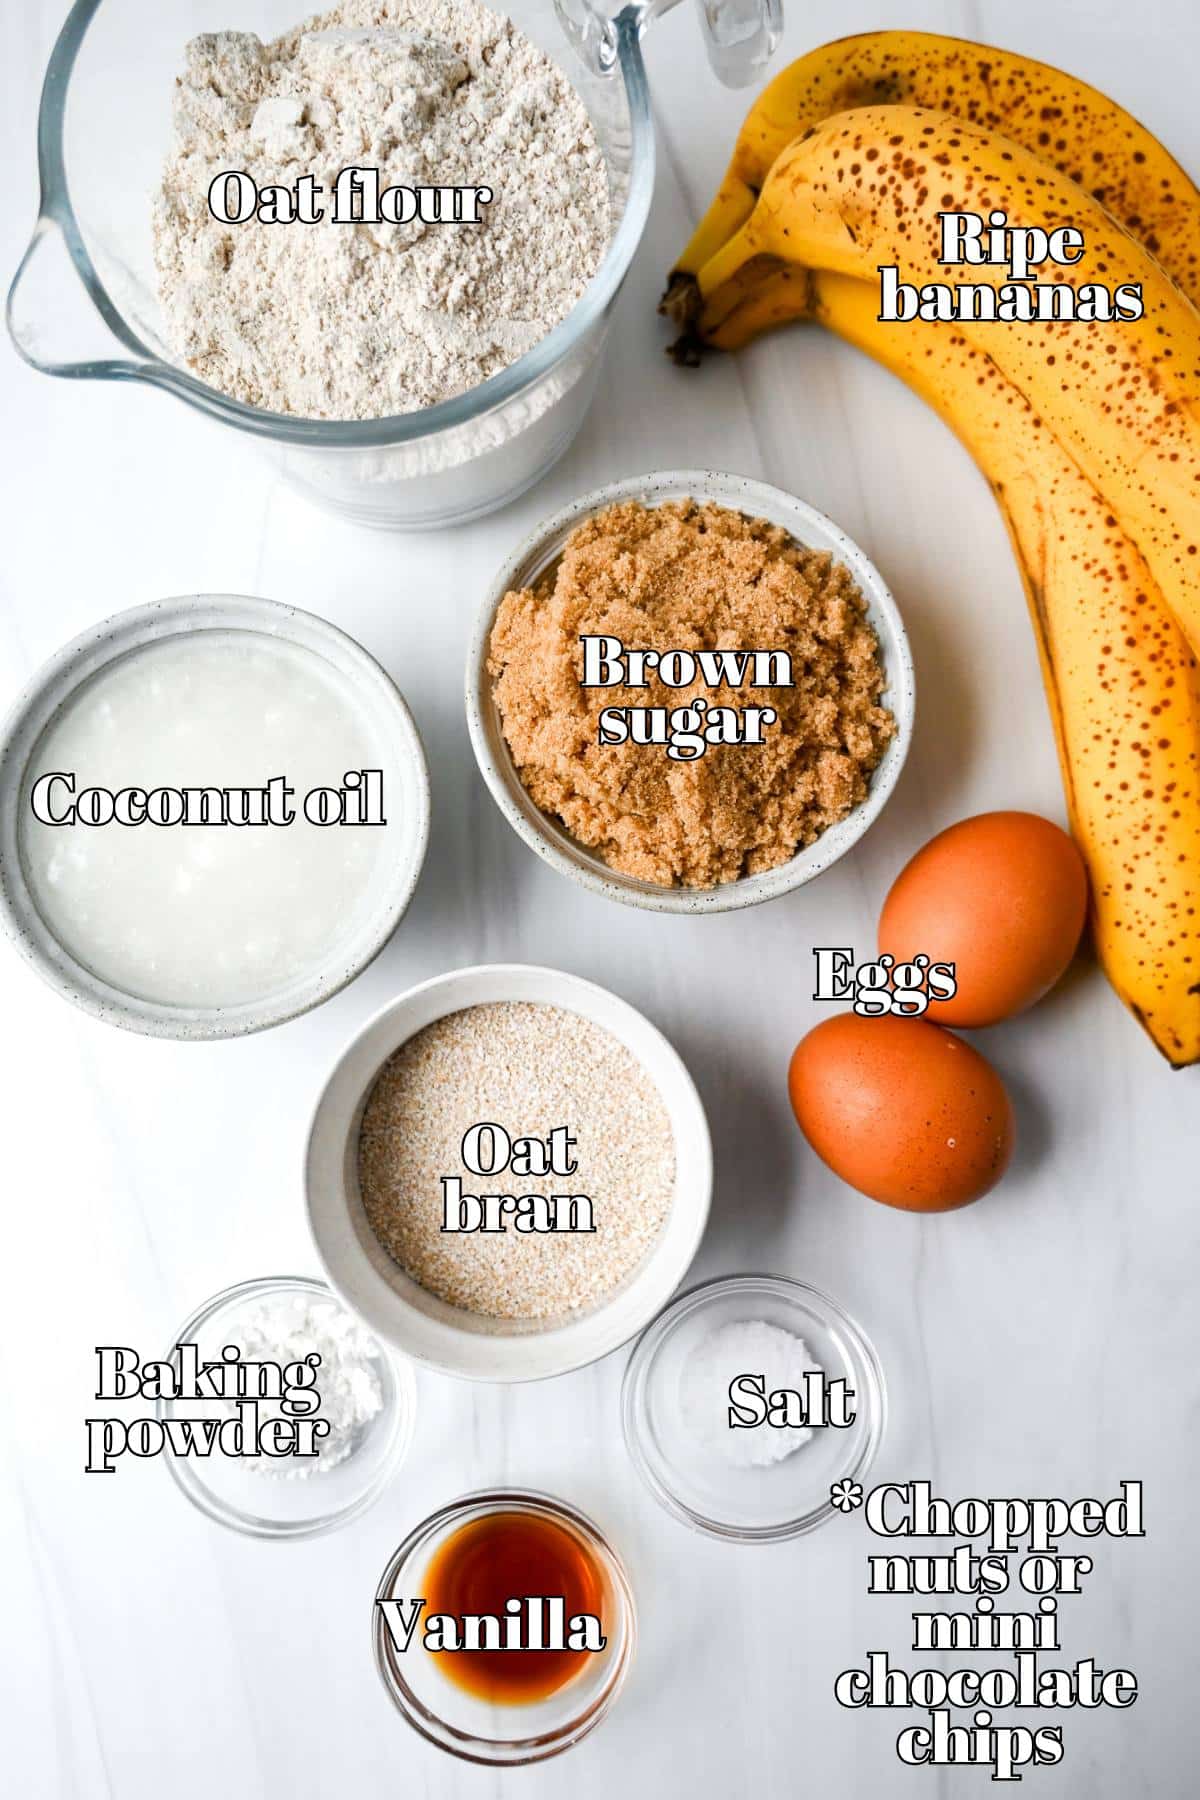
[(406, 1315), (546, 835), (182, 617)]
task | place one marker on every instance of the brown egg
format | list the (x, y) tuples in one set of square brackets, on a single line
[(905, 1112), (1003, 897)]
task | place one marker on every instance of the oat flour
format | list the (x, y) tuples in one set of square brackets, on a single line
[(357, 321)]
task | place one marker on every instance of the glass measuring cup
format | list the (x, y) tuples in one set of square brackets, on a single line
[(83, 304), (740, 35)]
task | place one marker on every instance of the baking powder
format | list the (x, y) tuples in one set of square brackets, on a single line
[(287, 1328)]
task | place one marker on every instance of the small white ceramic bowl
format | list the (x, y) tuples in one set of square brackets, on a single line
[(78, 662), (396, 1307), (546, 835)]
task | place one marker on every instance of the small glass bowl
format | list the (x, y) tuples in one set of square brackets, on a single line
[(477, 1730), (289, 1506), (755, 1505)]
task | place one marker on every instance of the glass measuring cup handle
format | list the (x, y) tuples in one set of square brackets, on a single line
[(58, 312), (741, 36)]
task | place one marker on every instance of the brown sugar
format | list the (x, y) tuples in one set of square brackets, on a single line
[(691, 576)]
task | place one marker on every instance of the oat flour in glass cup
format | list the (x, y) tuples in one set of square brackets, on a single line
[(111, 73)]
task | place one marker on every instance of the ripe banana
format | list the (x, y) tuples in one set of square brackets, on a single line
[(865, 189), (1132, 783), (782, 295), (1123, 685), (1080, 131), (1114, 662)]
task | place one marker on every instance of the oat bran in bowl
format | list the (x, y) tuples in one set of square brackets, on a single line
[(691, 561), (527, 1049)]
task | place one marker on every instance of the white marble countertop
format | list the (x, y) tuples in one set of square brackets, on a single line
[(1044, 1342)]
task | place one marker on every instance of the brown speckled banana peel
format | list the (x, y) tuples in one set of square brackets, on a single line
[(1122, 682), (865, 189), (1077, 130), (1115, 663), (783, 295)]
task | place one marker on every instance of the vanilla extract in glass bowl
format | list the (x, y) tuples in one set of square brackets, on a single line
[(526, 1634)]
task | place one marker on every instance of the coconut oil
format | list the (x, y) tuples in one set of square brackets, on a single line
[(208, 914)]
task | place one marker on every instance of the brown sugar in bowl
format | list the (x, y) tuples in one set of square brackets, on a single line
[(546, 835)]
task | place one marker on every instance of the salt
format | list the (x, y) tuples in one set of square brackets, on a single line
[(743, 1347)]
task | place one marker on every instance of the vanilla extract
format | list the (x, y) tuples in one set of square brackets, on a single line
[(513, 1605)]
